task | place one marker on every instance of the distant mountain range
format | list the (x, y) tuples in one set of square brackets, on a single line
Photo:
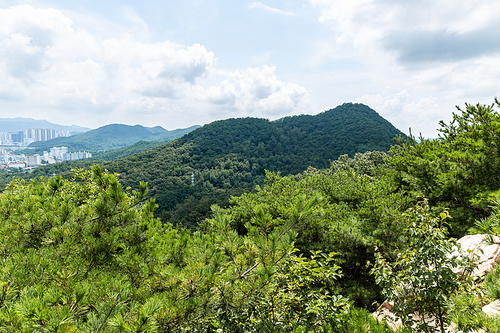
[(229, 157), (13, 125), (112, 137)]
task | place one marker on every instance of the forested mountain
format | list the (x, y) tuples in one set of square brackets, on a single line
[(111, 137), (229, 157), (309, 252), (20, 124), (118, 153), (292, 144)]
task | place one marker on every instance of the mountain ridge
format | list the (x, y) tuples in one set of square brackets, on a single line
[(20, 124), (229, 157), (113, 136)]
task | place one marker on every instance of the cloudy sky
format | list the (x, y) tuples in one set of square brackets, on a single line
[(180, 63)]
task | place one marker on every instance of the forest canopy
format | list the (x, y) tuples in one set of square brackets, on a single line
[(229, 157), (313, 251)]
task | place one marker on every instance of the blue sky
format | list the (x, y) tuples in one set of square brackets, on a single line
[(180, 63)]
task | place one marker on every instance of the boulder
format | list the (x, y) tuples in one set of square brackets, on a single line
[(492, 309), (485, 250), (384, 313), (486, 254)]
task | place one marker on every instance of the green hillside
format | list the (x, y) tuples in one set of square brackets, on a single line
[(115, 154), (316, 251), (292, 144), (229, 157), (111, 137)]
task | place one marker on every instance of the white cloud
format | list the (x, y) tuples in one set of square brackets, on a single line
[(434, 53), (478, 78), (389, 107), (270, 9), (72, 75), (414, 31), (140, 27), (422, 115), (259, 92)]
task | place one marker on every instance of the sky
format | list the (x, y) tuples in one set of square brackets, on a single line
[(180, 63)]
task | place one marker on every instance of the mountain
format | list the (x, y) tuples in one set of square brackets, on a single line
[(20, 124), (115, 154), (111, 137), (229, 157), (292, 144)]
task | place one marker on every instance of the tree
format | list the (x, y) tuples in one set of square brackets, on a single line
[(87, 255), (459, 170), (302, 294), (73, 252), (343, 211), (424, 277)]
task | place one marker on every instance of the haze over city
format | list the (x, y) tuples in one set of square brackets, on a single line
[(180, 63)]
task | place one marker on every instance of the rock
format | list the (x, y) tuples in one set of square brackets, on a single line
[(487, 255), (384, 313), (492, 309)]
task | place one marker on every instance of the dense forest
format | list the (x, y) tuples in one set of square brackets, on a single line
[(229, 157), (309, 251), (119, 153)]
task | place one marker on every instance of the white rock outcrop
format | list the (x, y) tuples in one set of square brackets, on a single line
[(488, 255), (384, 313), (492, 309), (485, 250)]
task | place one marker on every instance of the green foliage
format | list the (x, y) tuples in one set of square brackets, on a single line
[(230, 157), (119, 153), (492, 284), (459, 170), (491, 224), (342, 211), (368, 163), (301, 295), (359, 320), (424, 276), (82, 252), (292, 144), (86, 255), (465, 312), (66, 250)]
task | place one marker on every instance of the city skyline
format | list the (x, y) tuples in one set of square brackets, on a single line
[(30, 135)]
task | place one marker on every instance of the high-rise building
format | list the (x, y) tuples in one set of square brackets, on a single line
[(62, 134), (33, 161), (5, 138), (43, 134), (18, 137), (31, 133), (58, 153)]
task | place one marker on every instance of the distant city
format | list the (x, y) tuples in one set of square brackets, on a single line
[(10, 160), (30, 135)]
